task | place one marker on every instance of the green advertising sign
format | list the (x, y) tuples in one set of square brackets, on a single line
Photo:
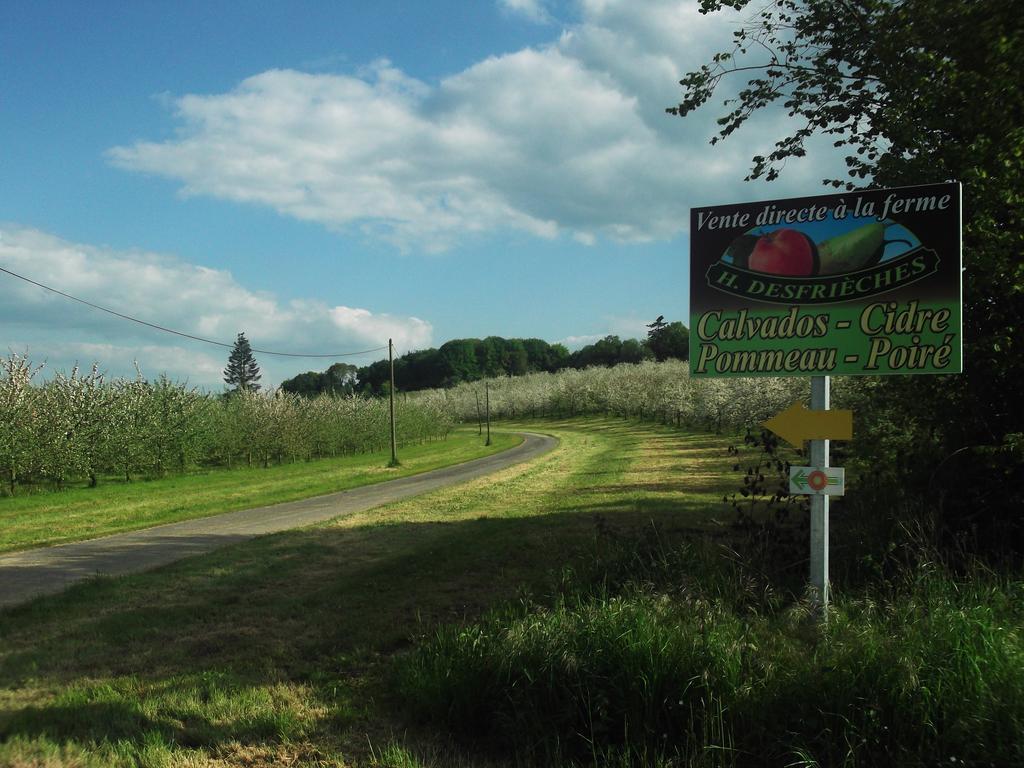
[(856, 283)]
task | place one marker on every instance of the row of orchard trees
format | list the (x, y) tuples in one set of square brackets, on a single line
[(649, 390), (81, 426)]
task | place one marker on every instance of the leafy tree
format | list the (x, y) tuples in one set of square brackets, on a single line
[(545, 357), (917, 91), (462, 360), (459, 360), (514, 358), (242, 373), (609, 351), (668, 340), (339, 379), (374, 376), (657, 326), (632, 351), (488, 356), (308, 384), (423, 366)]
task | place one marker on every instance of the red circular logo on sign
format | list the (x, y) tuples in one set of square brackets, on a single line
[(817, 480)]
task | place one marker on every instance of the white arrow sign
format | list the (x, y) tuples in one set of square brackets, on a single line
[(817, 481)]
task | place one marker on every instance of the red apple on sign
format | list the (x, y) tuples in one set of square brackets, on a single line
[(784, 252)]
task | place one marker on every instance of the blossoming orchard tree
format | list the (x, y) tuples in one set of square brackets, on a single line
[(78, 427)]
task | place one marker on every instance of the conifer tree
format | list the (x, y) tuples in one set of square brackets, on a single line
[(242, 373)]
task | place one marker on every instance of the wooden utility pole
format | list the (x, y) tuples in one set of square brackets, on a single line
[(391, 394), (487, 394)]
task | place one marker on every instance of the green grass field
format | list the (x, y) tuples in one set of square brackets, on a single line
[(44, 519), (276, 650), (592, 607)]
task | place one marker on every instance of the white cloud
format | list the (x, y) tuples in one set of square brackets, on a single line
[(569, 138), (578, 342), (533, 10), (623, 326), (185, 297)]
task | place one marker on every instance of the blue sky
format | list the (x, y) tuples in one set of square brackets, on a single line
[(325, 175)]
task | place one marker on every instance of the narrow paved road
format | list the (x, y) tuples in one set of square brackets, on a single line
[(24, 575)]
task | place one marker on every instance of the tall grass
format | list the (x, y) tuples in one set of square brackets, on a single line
[(657, 669)]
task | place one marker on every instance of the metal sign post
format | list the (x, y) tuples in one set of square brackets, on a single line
[(864, 282), (819, 504)]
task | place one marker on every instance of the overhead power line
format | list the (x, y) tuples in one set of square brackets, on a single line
[(180, 333)]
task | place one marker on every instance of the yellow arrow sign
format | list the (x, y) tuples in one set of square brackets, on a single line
[(796, 424)]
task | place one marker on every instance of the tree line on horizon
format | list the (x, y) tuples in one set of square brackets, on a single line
[(466, 360)]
